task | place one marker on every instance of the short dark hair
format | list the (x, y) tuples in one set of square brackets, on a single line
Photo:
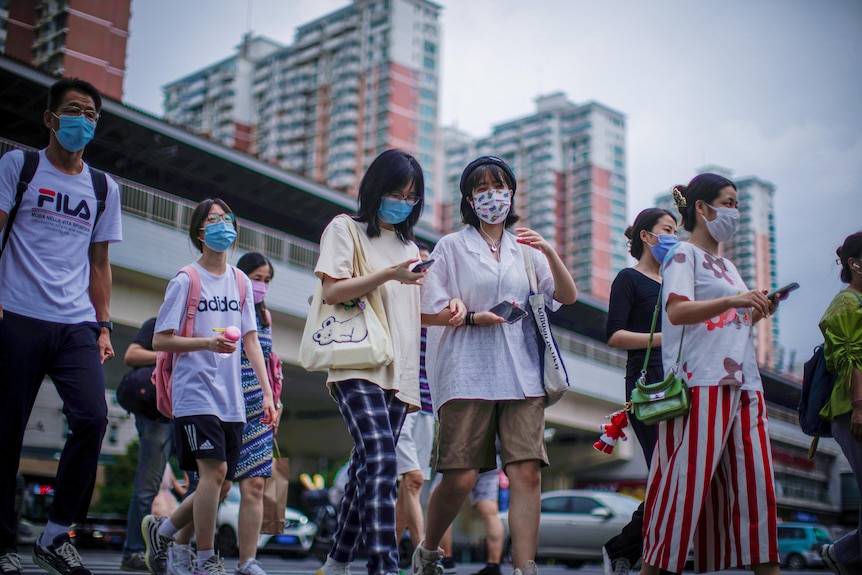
[(390, 171), (851, 248), (704, 187), (247, 264), (646, 220), (59, 88), (472, 176), (200, 214)]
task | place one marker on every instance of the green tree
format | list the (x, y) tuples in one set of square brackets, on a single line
[(116, 491)]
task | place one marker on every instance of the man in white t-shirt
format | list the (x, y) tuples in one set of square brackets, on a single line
[(55, 287)]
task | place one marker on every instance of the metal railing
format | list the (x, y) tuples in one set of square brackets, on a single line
[(166, 209)]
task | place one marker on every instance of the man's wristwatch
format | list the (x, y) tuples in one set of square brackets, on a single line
[(107, 324)]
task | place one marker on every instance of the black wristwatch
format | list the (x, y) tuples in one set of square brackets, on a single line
[(107, 324)]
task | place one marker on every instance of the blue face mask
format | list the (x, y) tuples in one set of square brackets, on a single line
[(75, 132), (219, 236), (665, 243), (394, 211)]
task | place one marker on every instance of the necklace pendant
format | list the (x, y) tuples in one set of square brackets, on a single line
[(493, 248)]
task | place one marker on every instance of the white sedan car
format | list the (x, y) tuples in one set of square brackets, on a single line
[(296, 540)]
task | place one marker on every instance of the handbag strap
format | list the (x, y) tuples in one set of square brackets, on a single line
[(360, 264), (531, 269), (652, 333)]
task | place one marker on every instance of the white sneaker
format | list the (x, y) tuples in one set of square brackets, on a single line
[(212, 566), (333, 567), (250, 567), (180, 560), (529, 569), (427, 562)]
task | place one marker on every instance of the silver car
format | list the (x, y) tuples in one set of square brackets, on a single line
[(575, 523)]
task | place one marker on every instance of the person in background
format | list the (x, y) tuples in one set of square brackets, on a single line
[(255, 460), (413, 451), (155, 446), (374, 401), (710, 483), (633, 300), (841, 326), (55, 295), (487, 381), (207, 399)]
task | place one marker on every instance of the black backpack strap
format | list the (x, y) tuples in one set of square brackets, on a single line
[(28, 170), (100, 186)]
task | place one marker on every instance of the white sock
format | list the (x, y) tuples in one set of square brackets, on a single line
[(168, 529), (52, 530), (204, 555)]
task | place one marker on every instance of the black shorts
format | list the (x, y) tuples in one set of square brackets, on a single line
[(207, 437)]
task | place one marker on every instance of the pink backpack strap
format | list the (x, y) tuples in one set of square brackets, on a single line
[(192, 300), (240, 276)]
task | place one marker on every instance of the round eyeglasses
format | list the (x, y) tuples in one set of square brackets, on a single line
[(412, 200), (216, 218)]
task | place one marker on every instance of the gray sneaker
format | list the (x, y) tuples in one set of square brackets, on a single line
[(10, 563), (180, 560), (529, 569), (831, 561), (157, 545), (212, 566), (134, 562), (427, 562), (60, 557)]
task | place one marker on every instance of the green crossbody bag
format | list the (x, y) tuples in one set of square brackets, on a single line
[(654, 402)]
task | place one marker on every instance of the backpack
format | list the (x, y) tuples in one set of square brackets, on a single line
[(28, 170), (162, 377), (817, 384), (137, 394)]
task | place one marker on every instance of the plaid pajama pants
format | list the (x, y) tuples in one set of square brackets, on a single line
[(711, 485), (374, 417)]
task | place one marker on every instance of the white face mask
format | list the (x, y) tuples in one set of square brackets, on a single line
[(492, 206), (724, 225)]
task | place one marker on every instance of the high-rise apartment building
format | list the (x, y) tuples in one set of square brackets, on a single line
[(752, 250), (570, 163), (354, 83), (75, 38), (217, 101)]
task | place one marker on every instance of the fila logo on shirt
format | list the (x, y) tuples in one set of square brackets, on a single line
[(216, 303), (62, 204)]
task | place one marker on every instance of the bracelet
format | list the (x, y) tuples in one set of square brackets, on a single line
[(469, 319)]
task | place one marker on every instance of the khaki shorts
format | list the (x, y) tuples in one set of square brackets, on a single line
[(468, 428)]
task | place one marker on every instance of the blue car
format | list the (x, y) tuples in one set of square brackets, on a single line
[(799, 544)]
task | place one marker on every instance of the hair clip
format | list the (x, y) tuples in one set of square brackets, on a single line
[(678, 198)]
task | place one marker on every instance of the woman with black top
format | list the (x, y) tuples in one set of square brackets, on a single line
[(633, 299)]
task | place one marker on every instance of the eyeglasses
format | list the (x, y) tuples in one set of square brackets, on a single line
[(401, 198), (89, 113), (216, 218)]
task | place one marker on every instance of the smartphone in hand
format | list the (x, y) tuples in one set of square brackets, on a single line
[(422, 266), (508, 311), (781, 293)]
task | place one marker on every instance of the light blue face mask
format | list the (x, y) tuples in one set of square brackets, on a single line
[(75, 132), (219, 236), (665, 243), (394, 211)]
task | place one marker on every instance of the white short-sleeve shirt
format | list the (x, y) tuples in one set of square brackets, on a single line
[(400, 301), (204, 383), (488, 362), (719, 351), (45, 267)]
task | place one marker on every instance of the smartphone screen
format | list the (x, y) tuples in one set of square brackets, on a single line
[(422, 266), (506, 310)]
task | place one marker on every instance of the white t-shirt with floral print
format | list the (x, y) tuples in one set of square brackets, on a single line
[(719, 351)]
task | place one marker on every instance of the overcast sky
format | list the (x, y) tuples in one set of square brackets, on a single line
[(769, 89)]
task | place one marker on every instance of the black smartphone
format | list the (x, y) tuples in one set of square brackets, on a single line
[(781, 293), (508, 311), (421, 266)]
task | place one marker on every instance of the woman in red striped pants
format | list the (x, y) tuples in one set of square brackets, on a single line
[(711, 483)]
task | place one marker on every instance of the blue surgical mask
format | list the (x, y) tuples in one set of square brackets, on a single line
[(394, 211), (219, 236), (75, 132), (665, 243)]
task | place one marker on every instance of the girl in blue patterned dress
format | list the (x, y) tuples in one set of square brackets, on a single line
[(255, 461)]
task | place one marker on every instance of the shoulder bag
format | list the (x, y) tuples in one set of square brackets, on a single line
[(555, 379), (654, 402), (349, 335)]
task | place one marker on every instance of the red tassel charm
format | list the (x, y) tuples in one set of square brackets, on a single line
[(611, 432)]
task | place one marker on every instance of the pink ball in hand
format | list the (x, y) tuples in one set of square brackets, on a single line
[(232, 333)]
